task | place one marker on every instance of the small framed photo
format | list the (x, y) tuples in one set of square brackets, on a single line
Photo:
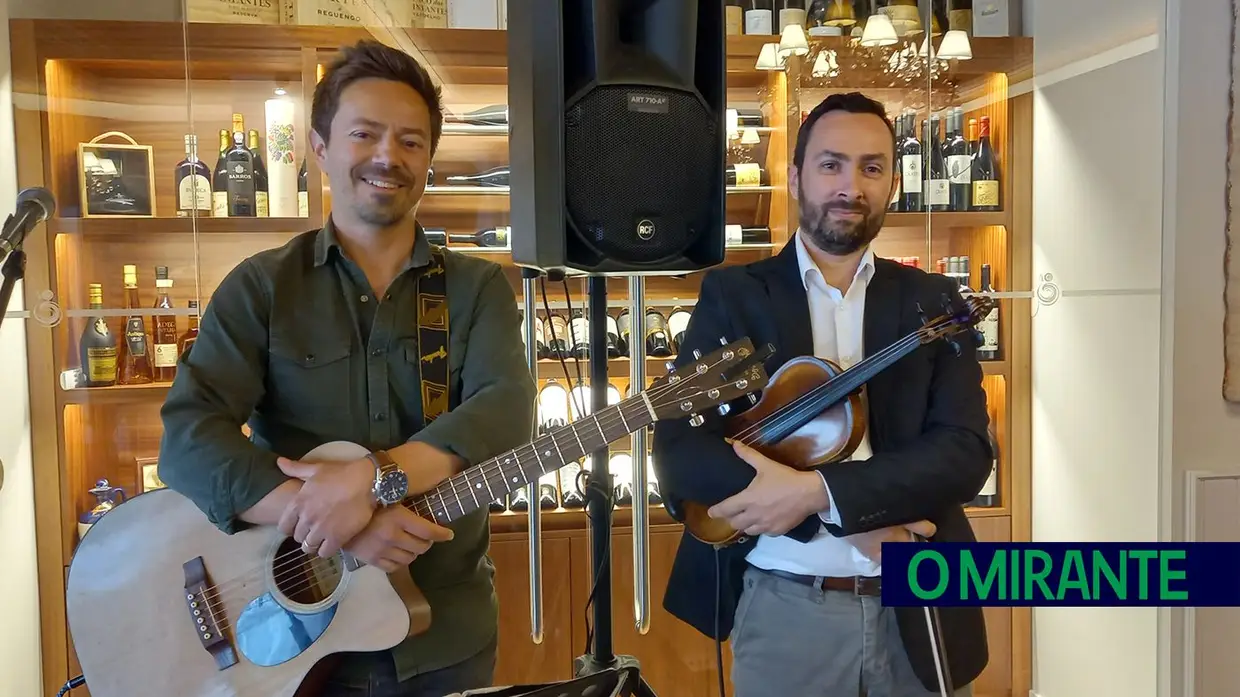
[(148, 474), (116, 179)]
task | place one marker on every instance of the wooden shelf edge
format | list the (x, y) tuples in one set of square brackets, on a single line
[(997, 512), (568, 520), (114, 394), (164, 226), (947, 219)]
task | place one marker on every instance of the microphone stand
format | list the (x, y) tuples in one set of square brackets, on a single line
[(14, 270)]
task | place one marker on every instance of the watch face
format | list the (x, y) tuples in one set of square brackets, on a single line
[(393, 487)]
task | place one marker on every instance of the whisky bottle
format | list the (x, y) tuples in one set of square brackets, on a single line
[(303, 191), (193, 182), (496, 176), (658, 344), (135, 365), (186, 341), (97, 345), (677, 323), (260, 176), (219, 178), (165, 334), (239, 163)]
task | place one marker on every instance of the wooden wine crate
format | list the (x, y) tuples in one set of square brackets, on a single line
[(429, 13), (231, 12)]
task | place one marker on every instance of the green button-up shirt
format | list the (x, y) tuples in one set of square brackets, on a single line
[(295, 343)]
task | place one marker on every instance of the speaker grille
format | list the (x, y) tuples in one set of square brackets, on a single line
[(643, 169)]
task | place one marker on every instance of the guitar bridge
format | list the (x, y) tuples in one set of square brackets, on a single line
[(206, 611)]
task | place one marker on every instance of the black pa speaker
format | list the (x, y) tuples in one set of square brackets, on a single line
[(617, 144)]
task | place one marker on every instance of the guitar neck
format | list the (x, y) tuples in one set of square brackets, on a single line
[(489, 481)]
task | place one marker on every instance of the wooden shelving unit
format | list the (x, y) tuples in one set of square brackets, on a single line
[(157, 81)]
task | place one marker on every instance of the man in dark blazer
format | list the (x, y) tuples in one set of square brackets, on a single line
[(799, 595)]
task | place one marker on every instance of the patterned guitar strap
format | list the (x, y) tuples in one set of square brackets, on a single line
[(433, 336)]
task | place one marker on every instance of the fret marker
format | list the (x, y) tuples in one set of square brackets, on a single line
[(649, 407)]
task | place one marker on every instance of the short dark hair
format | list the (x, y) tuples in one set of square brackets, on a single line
[(852, 102), (365, 59)]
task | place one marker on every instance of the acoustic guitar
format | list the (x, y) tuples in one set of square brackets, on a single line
[(161, 602), (813, 412)]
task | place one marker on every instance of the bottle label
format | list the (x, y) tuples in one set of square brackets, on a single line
[(580, 328), (678, 322), (991, 487), (937, 192), (986, 193), (101, 364), (748, 174), (135, 336), (219, 201), (194, 193), (732, 235), (989, 327), (910, 167), (960, 169), (165, 355), (758, 22), (260, 197), (303, 204)]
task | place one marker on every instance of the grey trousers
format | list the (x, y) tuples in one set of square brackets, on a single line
[(791, 639)]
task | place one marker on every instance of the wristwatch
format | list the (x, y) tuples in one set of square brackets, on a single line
[(391, 485)]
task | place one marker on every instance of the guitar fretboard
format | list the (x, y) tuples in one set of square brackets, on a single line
[(479, 485)]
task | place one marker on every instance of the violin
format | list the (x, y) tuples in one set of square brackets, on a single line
[(812, 412)]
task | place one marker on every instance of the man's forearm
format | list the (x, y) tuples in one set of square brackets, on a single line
[(269, 509)]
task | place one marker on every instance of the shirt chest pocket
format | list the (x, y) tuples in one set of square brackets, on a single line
[(408, 376), (309, 377)]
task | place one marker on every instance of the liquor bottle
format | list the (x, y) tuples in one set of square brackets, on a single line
[(570, 492), (759, 17), (495, 237), (734, 17), (988, 497), (303, 191), (219, 178), (579, 334), (938, 198), (186, 340), (260, 175), (165, 329), (558, 341), (624, 329), (492, 115), (496, 176), (240, 185), (985, 172), (737, 234), (621, 467), (658, 344), (135, 362), (677, 323), (910, 167), (548, 491), (193, 182), (791, 12), (552, 406), (97, 345), (989, 326), (959, 163), (744, 174)]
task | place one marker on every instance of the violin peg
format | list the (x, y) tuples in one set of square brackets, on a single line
[(922, 314)]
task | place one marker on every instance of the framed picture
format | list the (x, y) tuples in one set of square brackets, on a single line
[(148, 474), (116, 180)]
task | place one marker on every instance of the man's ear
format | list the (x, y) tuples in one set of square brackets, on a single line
[(318, 146), (794, 180)]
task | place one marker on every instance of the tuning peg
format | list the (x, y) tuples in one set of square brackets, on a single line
[(696, 420), (724, 409), (922, 314), (752, 399), (669, 366), (723, 341), (697, 355)]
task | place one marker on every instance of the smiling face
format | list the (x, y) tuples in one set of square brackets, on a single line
[(845, 182), (378, 153)]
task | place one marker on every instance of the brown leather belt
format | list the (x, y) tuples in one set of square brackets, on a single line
[(857, 585)]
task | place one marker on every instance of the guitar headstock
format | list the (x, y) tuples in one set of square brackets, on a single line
[(727, 373), (956, 320)]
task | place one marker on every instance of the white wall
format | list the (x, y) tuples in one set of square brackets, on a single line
[(1098, 162), (20, 664)]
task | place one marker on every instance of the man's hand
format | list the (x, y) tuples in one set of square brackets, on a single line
[(334, 504), (394, 537), (777, 499), (871, 543)]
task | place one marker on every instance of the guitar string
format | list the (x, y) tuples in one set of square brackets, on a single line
[(288, 559)]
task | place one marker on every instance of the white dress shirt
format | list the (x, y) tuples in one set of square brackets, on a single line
[(837, 320)]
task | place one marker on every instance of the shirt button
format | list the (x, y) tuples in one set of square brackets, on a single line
[(377, 352), (365, 298), (380, 416)]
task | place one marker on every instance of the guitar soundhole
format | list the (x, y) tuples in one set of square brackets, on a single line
[(303, 578)]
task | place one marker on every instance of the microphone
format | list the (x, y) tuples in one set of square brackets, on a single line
[(34, 205)]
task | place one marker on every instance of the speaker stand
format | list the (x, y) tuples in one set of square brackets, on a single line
[(598, 494)]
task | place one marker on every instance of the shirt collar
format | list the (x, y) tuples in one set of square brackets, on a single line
[(327, 240), (808, 268)]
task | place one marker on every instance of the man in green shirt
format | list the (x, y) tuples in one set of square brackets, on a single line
[(319, 340)]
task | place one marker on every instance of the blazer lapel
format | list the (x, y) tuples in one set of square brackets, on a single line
[(881, 328), (789, 306)]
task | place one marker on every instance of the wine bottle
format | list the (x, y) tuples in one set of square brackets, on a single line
[(988, 497), (624, 329), (653, 496), (959, 163), (165, 329), (498, 505), (548, 491), (570, 492), (97, 345), (989, 326), (613, 338), (749, 118), (558, 341), (621, 466), (677, 323), (193, 182), (734, 18), (496, 176), (492, 115), (743, 174), (985, 172), (972, 142), (219, 178), (910, 167), (552, 406), (303, 191), (519, 501), (759, 17), (135, 364), (495, 238), (540, 344), (736, 235), (897, 192), (581, 395), (242, 193), (260, 176), (938, 198), (579, 334), (658, 344)]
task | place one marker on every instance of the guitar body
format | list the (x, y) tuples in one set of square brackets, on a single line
[(135, 633), (829, 436)]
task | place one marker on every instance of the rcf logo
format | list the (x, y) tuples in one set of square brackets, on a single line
[(645, 229)]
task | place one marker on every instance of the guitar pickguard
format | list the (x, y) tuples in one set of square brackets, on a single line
[(268, 634)]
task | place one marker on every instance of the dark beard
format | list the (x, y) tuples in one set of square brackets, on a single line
[(842, 237), (392, 212)]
